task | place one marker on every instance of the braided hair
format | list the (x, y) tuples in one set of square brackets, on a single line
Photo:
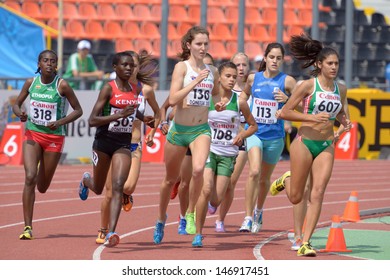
[(40, 56)]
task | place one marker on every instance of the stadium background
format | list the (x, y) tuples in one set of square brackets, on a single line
[(119, 25)]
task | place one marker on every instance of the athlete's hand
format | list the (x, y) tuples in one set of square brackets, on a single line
[(238, 140), (220, 106), (202, 75), (23, 116), (278, 113), (280, 97), (321, 117), (346, 123), (164, 127), (336, 137), (149, 121), (53, 125), (127, 111), (149, 140)]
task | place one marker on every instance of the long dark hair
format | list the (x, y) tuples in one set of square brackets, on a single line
[(224, 65), (40, 56), (146, 67), (188, 38), (310, 51), (270, 46)]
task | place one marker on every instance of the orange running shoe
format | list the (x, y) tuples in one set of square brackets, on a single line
[(175, 190), (127, 202), (101, 238)]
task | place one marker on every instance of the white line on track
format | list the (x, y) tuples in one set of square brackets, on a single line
[(256, 250)]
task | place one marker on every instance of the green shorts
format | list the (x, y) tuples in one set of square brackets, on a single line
[(221, 165), (182, 135), (315, 146)]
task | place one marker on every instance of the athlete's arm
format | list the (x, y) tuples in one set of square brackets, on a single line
[(17, 107), (247, 92), (67, 91)]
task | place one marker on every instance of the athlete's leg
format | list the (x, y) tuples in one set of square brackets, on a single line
[(32, 152), (121, 163), (322, 171)]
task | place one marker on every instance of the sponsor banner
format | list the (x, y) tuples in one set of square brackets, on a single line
[(369, 108)]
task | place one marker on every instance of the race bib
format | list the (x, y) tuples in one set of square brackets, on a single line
[(264, 110), (222, 133), (122, 125), (41, 113), (199, 97), (328, 103)]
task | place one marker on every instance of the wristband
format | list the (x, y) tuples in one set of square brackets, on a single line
[(162, 123)]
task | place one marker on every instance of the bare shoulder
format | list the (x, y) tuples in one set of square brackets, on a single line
[(251, 78), (290, 83), (342, 87), (180, 66), (307, 84), (290, 80), (64, 88), (147, 90)]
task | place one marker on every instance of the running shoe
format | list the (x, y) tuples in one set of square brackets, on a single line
[(112, 239), (101, 238), (212, 209), (190, 226), (127, 202), (306, 250), (296, 244), (257, 221), (278, 185), (84, 191), (219, 226), (158, 234), (246, 225), (181, 229), (27, 233), (197, 241), (175, 190)]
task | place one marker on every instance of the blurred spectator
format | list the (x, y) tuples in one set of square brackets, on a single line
[(256, 63), (82, 65), (387, 76)]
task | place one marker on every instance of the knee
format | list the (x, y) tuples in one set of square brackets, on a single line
[(98, 192), (184, 185), (317, 194), (169, 182), (206, 191), (108, 195), (197, 172), (254, 173), (117, 185), (42, 188), (295, 198), (31, 179)]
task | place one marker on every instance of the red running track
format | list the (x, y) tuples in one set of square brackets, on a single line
[(65, 227)]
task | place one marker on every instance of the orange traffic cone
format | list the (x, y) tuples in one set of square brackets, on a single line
[(336, 240), (351, 211)]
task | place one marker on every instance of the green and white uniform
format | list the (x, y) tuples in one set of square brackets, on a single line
[(323, 101), (224, 127), (46, 105)]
